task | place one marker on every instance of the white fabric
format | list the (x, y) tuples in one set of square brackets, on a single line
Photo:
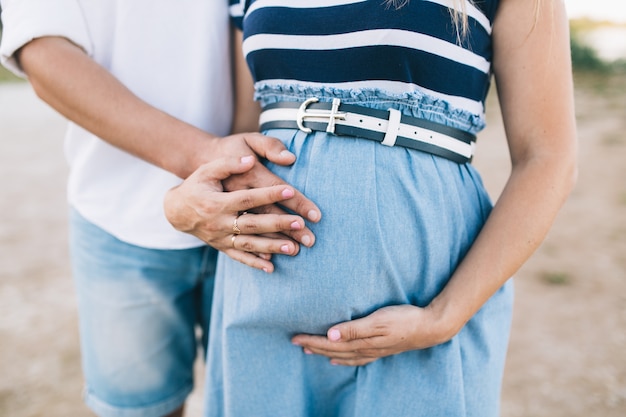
[(392, 128), (365, 38), (174, 55)]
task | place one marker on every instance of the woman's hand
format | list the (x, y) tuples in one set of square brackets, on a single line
[(199, 206), (258, 176), (387, 331)]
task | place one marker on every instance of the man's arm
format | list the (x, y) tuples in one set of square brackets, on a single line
[(188, 210), (87, 94)]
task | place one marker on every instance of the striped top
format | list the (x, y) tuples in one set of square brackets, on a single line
[(411, 56)]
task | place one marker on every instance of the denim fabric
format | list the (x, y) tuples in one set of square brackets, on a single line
[(138, 311), (396, 223)]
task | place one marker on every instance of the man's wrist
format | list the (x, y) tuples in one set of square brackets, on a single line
[(192, 158)]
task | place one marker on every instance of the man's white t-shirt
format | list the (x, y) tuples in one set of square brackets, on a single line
[(173, 55)]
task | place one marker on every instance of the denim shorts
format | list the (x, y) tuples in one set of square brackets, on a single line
[(139, 310)]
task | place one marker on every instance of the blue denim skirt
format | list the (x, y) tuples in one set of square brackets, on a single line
[(396, 223)]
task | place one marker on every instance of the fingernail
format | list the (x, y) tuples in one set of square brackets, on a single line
[(247, 159), (308, 352), (306, 240), (266, 270), (285, 249), (287, 193), (296, 226), (334, 335), (313, 215), (286, 153)]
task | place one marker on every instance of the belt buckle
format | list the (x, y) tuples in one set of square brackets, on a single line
[(332, 115)]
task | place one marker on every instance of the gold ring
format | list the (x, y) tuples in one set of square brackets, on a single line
[(236, 229), (232, 239)]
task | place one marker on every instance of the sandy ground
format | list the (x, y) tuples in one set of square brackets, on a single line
[(568, 349)]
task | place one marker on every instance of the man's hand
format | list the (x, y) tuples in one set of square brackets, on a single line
[(86, 93), (200, 206)]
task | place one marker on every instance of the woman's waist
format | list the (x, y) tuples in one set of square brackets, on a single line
[(367, 120), (414, 103)]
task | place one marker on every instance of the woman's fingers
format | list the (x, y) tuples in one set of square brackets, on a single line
[(250, 260), (269, 224), (273, 150), (224, 220), (302, 235), (253, 192), (263, 245)]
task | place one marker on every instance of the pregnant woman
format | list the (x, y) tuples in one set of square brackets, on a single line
[(407, 288)]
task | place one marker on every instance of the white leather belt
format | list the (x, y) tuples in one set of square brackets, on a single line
[(387, 127)]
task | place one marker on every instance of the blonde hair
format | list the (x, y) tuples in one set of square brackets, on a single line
[(458, 13)]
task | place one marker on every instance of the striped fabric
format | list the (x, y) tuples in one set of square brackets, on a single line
[(365, 44)]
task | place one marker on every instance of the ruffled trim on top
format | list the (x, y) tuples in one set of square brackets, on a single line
[(415, 103)]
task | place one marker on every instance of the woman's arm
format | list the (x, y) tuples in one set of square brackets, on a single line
[(533, 74), (247, 111), (534, 79)]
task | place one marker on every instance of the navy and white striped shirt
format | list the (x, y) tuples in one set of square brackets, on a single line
[(361, 45)]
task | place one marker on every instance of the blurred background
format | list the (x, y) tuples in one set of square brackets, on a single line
[(568, 347)]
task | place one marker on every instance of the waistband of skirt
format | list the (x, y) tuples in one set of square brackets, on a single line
[(414, 104), (388, 127)]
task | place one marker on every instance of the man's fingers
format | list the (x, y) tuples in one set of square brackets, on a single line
[(260, 177), (269, 148), (222, 168), (304, 207), (244, 200)]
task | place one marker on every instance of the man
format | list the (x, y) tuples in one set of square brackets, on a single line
[(143, 83)]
